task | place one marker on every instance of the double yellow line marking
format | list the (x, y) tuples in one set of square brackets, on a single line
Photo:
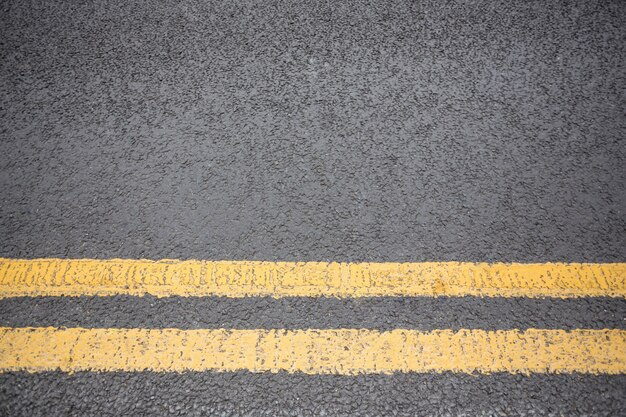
[(312, 351)]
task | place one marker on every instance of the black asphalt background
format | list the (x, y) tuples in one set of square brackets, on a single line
[(242, 393), (306, 130), (385, 313)]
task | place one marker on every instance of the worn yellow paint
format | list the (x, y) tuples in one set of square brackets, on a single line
[(343, 351), (68, 277)]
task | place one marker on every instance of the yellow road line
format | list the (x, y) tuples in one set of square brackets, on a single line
[(343, 351), (68, 277)]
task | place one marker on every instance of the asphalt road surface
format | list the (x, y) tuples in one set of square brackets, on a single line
[(383, 131)]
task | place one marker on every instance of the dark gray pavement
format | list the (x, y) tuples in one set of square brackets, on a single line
[(247, 394), (385, 313), (295, 130), (303, 130)]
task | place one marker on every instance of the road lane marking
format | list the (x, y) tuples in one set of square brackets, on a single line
[(88, 277), (342, 351)]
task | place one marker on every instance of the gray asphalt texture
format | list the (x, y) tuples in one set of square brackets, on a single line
[(303, 130), (242, 393), (385, 313)]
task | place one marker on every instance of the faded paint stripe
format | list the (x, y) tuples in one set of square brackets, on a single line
[(66, 277), (343, 351)]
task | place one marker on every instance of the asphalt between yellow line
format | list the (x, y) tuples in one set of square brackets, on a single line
[(68, 277), (343, 351)]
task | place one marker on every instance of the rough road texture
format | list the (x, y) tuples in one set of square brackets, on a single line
[(246, 394), (317, 313), (298, 130)]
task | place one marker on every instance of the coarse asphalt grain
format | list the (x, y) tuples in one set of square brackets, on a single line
[(378, 313), (248, 394), (305, 130), (477, 130)]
